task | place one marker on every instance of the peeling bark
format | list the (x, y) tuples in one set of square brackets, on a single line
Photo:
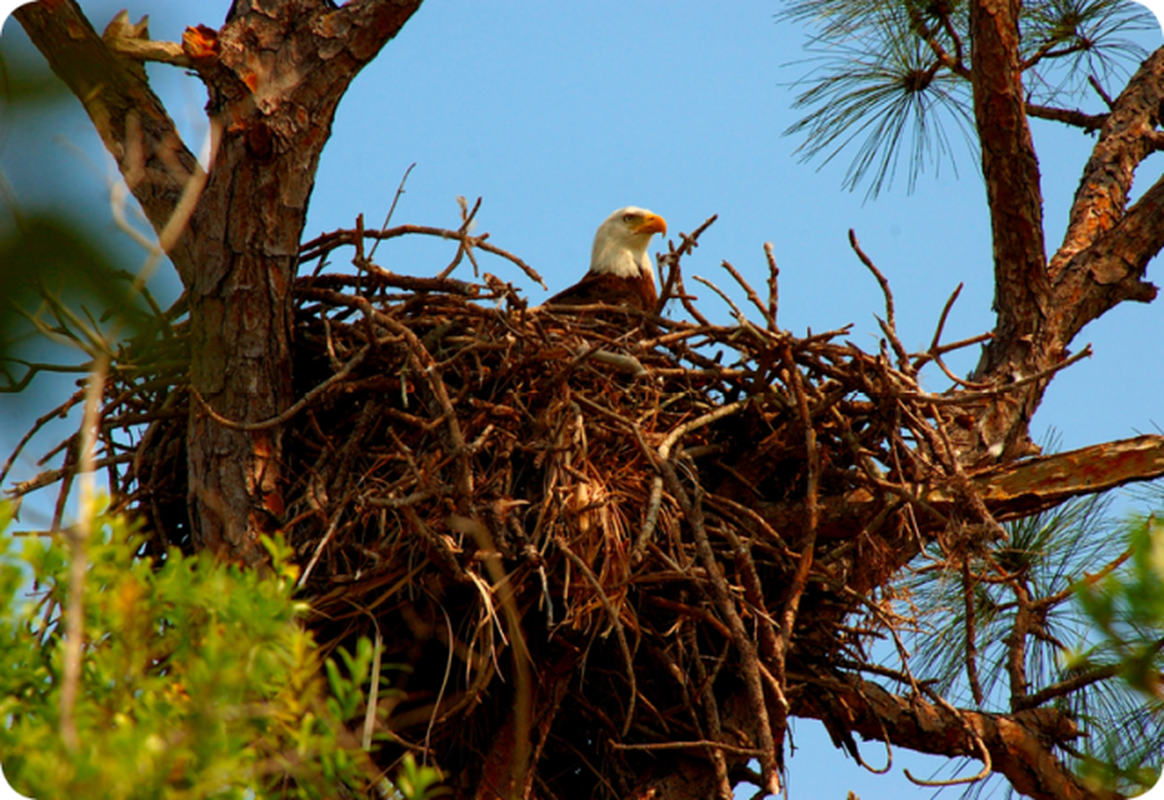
[(1102, 196)]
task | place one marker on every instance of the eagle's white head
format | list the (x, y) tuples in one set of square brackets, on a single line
[(620, 245)]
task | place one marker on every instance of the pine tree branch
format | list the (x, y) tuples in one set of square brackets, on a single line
[(1111, 269), (1123, 143), (1008, 491), (1019, 744), (1066, 687), (1068, 116)]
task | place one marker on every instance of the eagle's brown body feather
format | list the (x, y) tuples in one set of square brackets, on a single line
[(620, 269), (610, 289)]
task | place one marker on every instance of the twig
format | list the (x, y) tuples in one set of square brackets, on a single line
[(935, 351), (704, 685), (323, 542), (773, 285), (1071, 685), (942, 319), (962, 398), (971, 644), (692, 510), (78, 538), (1099, 90), (615, 623), (624, 363), (698, 743), (465, 248), (687, 244), (663, 455), (392, 208), (752, 296), (739, 315), (890, 326), (66, 472), (1068, 116), (131, 42), (59, 411), (284, 417), (987, 762), (701, 614), (799, 581), (322, 244)]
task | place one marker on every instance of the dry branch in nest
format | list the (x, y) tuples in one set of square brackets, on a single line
[(594, 515)]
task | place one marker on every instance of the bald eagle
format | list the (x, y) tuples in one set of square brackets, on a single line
[(620, 269)]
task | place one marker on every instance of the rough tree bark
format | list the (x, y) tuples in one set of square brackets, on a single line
[(275, 73), (1107, 245)]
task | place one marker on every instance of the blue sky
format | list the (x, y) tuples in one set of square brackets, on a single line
[(558, 113)]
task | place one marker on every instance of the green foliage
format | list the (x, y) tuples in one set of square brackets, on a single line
[(893, 78), (52, 255), (873, 103), (58, 284), (1127, 605), (1126, 608), (26, 80), (1044, 554), (198, 681), (54, 268), (1038, 567), (414, 782)]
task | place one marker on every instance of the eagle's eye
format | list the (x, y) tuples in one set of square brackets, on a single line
[(628, 218)]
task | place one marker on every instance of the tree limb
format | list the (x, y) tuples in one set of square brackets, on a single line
[(1008, 491), (1103, 189), (1111, 269), (1068, 116), (1019, 744)]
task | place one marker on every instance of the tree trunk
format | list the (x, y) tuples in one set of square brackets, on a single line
[(1106, 249), (275, 74)]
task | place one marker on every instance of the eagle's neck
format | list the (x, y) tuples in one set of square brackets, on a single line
[(609, 258)]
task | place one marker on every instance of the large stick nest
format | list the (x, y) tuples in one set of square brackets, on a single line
[(588, 515)]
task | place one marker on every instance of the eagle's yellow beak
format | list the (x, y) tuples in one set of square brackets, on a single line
[(652, 223)]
